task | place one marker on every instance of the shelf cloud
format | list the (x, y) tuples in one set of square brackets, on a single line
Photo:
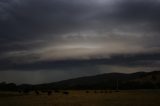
[(70, 34)]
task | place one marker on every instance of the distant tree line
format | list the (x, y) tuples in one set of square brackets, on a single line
[(101, 86)]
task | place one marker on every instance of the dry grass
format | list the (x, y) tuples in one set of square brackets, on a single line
[(81, 98)]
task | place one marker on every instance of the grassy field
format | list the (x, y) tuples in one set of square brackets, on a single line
[(81, 98)]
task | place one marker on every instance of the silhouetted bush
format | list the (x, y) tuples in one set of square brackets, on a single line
[(49, 93), (37, 92), (65, 92), (87, 91)]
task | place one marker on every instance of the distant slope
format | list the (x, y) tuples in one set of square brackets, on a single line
[(149, 81), (139, 80), (153, 77)]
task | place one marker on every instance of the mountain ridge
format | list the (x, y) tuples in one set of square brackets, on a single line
[(137, 80), (105, 81)]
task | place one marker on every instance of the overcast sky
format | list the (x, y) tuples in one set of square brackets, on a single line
[(51, 40)]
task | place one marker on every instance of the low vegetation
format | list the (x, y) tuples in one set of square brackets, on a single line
[(82, 98)]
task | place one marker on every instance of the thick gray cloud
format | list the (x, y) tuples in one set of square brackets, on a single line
[(72, 34)]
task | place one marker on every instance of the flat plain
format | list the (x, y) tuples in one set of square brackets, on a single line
[(83, 98)]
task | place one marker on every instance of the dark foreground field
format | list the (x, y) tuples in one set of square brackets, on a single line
[(81, 98)]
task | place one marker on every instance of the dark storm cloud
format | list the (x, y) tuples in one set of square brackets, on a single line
[(140, 10), (24, 24), (27, 25), (136, 60), (137, 15), (21, 19)]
